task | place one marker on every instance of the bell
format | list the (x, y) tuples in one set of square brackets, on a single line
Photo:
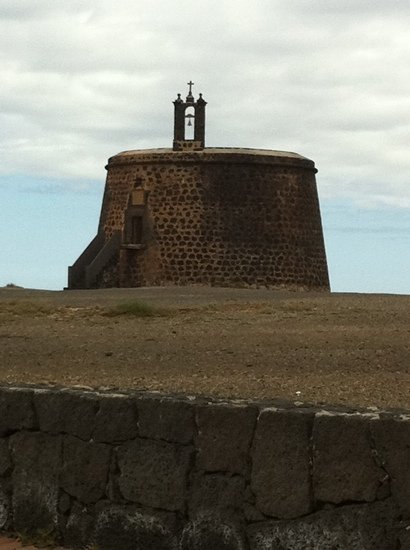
[(189, 122)]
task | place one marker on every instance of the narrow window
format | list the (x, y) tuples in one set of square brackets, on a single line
[(136, 230), (137, 182)]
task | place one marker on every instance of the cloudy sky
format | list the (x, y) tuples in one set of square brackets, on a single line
[(84, 79)]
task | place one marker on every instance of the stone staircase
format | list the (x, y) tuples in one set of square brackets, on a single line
[(86, 269)]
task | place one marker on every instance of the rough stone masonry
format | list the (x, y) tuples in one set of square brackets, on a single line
[(144, 471)]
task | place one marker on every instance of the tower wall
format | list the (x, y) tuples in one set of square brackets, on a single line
[(234, 217)]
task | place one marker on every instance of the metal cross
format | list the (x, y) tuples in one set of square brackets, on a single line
[(190, 84)]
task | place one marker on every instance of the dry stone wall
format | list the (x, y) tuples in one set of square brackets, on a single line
[(218, 217), (140, 471)]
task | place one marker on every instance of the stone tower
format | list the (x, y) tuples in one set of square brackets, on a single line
[(208, 216)]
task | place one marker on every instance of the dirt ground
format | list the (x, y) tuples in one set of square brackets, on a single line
[(351, 349)]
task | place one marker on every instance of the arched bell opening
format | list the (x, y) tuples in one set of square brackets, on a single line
[(189, 123)]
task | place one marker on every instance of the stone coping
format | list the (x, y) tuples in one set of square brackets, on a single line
[(238, 155), (202, 399)]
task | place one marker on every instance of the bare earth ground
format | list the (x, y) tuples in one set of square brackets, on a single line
[(351, 349)]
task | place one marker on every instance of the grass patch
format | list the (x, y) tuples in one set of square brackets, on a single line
[(136, 309), (24, 307)]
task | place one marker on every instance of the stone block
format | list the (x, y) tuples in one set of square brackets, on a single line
[(16, 410), (281, 463), (5, 460), (66, 412), (224, 438), (64, 503), (36, 452), (211, 492), (113, 489), (168, 419), (154, 473), (392, 441), (85, 469), (403, 538), (79, 529), (344, 468), (37, 462), (213, 531), (4, 509), (357, 527), (116, 419), (120, 528)]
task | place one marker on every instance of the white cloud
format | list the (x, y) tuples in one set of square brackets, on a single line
[(84, 79)]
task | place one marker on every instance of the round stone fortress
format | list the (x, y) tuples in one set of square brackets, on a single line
[(209, 216)]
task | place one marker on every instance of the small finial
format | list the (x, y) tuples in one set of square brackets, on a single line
[(201, 100)]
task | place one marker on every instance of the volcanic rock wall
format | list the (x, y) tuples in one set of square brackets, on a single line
[(139, 471)]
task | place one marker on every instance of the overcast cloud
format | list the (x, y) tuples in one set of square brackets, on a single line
[(329, 79)]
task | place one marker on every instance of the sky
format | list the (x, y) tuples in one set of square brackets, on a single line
[(82, 80)]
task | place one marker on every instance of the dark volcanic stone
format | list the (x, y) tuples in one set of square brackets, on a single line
[(344, 469), (85, 469), (4, 509), (357, 527), (392, 441), (213, 531), (168, 419), (224, 438), (403, 538), (216, 492), (66, 412), (5, 461), (154, 473), (119, 529), (64, 503), (79, 529), (281, 463), (16, 410), (37, 463), (116, 419)]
